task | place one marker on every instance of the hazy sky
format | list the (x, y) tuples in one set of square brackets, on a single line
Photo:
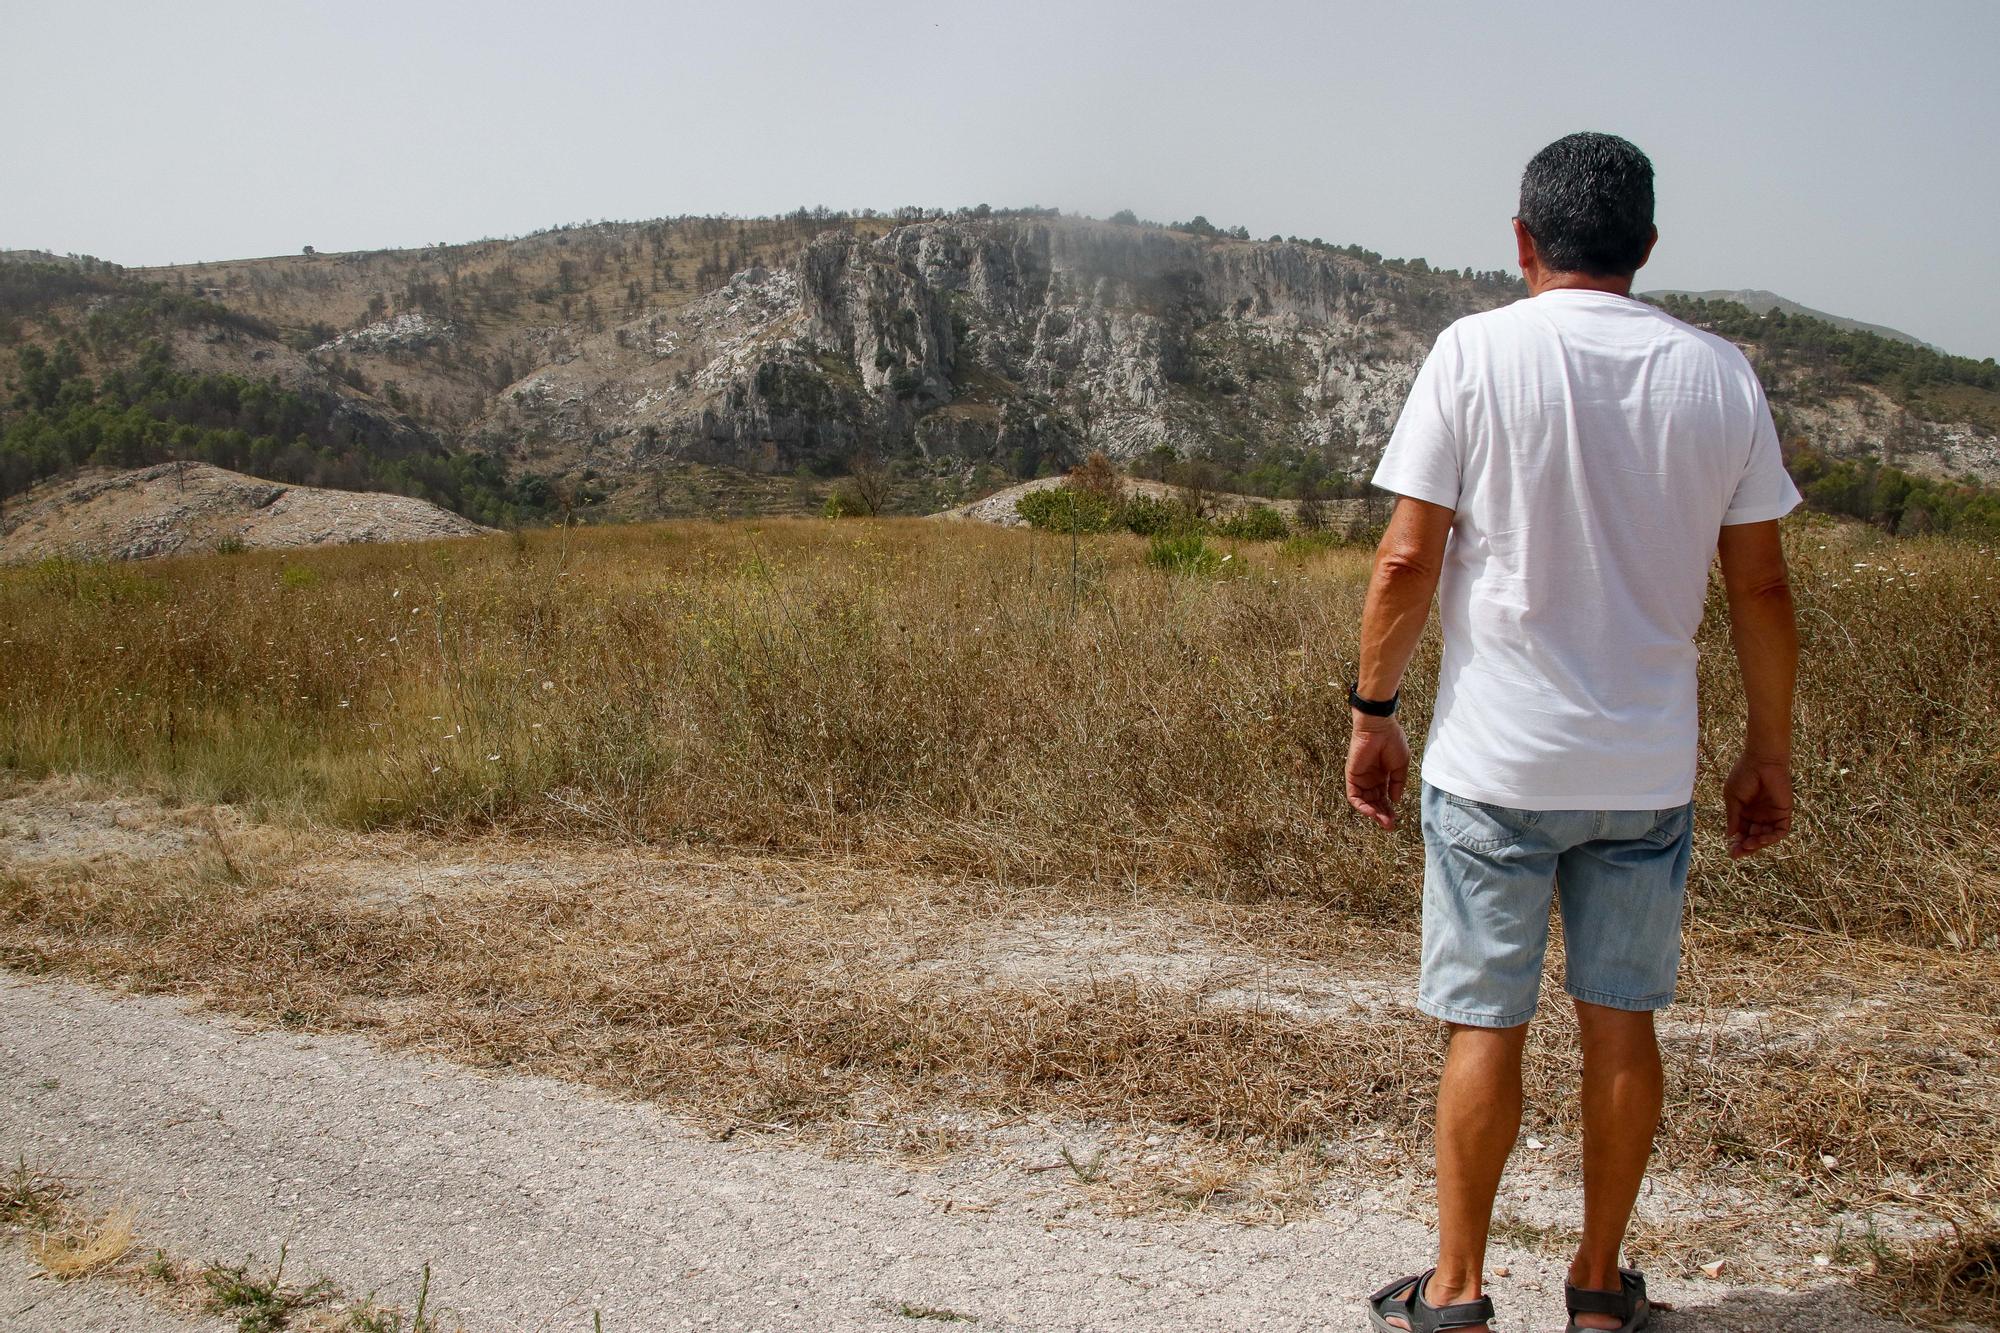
[(1841, 154)]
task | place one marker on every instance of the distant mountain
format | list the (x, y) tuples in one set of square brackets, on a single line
[(1763, 303), (732, 365)]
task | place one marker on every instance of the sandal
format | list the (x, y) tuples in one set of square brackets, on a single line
[(1421, 1316), (1629, 1303)]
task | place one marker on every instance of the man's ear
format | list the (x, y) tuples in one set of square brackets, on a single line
[(1524, 245), (1651, 241)]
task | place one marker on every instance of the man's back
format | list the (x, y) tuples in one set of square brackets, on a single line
[(1592, 447)]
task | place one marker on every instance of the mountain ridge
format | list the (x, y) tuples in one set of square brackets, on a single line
[(605, 365), (1761, 302)]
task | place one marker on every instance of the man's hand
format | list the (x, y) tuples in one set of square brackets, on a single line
[(1378, 765), (1758, 794)]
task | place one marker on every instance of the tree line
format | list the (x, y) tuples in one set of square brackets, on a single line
[(1904, 370), (1900, 502), (58, 419)]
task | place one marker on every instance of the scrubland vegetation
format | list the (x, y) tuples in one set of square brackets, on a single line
[(919, 726), (923, 693)]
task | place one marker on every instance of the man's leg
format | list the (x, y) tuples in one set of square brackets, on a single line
[(1622, 1093), (1489, 872), (1622, 900), (1478, 1118)]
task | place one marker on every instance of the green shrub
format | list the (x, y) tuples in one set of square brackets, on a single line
[(1301, 545), (1184, 553), (1065, 509), (231, 546), (1258, 523), (841, 504), (298, 576), (1150, 516)]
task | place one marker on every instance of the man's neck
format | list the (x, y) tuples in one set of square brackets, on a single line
[(1543, 280)]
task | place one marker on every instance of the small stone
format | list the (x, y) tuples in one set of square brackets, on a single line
[(1713, 1268), (1503, 1271)]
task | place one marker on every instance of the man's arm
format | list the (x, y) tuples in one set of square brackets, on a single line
[(1405, 577), (1758, 791)]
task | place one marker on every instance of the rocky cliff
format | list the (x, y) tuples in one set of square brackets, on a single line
[(1014, 342)]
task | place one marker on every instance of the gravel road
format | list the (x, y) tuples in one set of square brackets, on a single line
[(537, 1203)]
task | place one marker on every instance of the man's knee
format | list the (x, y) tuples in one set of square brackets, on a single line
[(1609, 1030), (1507, 1041)]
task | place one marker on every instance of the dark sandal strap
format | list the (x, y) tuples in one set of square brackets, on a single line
[(1620, 1304), (1421, 1315), (1581, 1300), (1463, 1315)]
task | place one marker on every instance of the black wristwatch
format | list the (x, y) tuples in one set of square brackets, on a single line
[(1372, 707)]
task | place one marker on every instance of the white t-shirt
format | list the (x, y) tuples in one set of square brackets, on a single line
[(1592, 447)]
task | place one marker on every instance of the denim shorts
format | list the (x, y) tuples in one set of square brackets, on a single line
[(1489, 872)]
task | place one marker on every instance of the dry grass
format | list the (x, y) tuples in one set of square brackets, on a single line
[(917, 695), (88, 1245), (67, 1242), (1952, 1280), (762, 995)]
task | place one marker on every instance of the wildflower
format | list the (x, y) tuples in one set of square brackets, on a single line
[(548, 684)]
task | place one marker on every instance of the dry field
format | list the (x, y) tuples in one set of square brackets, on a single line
[(861, 835)]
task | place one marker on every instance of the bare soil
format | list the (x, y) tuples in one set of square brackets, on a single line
[(349, 1127)]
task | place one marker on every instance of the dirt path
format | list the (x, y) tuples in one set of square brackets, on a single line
[(537, 1202)]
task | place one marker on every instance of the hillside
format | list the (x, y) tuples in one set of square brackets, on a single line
[(173, 509), (1760, 302), (673, 366), (1001, 507)]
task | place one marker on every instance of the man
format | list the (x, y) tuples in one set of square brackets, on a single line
[(1565, 467)]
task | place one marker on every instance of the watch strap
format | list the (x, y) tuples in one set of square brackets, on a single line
[(1372, 707)]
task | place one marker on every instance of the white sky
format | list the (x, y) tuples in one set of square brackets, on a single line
[(1839, 153)]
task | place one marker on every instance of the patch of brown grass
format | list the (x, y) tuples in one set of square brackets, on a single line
[(766, 997), (87, 1246), (67, 1242), (1954, 1280)]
